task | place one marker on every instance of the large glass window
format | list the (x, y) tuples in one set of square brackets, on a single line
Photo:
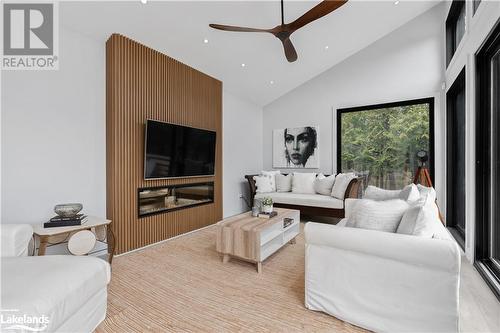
[(381, 141), (488, 162), (455, 28)]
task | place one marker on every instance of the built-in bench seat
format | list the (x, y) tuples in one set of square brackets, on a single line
[(308, 204)]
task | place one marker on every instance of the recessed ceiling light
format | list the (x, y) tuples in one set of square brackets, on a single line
[(396, 2), (271, 82), (205, 41), (327, 47), (144, 1), (243, 65)]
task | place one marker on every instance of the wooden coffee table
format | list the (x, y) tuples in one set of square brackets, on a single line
[(254, 239)]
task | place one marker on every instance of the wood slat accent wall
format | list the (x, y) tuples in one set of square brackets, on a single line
[(141, 84)]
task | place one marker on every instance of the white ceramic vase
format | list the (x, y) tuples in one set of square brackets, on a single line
[(267, 208)]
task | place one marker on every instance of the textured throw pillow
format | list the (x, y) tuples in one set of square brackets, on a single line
[(272, 177), (340, 186), (380, 194), (283, 183), (379, 215), (263, 184), (303, 182), (323, 185)]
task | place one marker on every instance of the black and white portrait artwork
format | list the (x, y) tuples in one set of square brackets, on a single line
[(296, 147)]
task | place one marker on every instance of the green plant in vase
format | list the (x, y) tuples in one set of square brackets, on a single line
[(267, 205)]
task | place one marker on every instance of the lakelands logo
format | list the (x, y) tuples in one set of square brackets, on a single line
[(13, 321), (30, 36)]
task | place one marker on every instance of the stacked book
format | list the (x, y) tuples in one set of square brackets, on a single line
[(60, 221), (268, 215)]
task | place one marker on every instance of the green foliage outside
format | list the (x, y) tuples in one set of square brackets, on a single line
[(382, 143)]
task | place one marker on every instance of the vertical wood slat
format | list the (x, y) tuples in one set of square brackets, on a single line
[(141, 84)]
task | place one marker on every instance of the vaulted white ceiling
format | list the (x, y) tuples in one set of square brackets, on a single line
[(178, 29)]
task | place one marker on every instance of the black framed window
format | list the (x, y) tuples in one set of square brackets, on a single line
[(381, 141), (487, 246), (455, 28), (455, 158)]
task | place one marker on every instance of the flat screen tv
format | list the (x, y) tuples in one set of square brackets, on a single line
[(178, 151)]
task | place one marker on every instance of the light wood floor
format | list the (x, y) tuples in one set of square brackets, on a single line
[(182, 286)]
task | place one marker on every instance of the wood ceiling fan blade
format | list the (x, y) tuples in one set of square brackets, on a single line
[(323, 8), (290, 53), (236, 29)]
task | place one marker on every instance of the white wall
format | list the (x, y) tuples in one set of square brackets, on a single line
[(478, 27), (242, 150), (406, 64), (53, 136)]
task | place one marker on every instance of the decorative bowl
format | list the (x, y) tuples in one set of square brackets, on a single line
[(68, 210)]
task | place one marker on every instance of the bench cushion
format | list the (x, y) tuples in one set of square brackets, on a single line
[(311, 200)]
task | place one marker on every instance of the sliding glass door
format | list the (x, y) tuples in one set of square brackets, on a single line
[(488, 162)]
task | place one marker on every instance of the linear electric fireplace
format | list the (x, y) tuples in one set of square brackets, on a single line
[(155, 200)]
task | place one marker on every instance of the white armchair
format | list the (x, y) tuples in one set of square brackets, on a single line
[(385, 282), (60, 293)]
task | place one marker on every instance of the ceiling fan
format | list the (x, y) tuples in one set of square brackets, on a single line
[(283, 31)]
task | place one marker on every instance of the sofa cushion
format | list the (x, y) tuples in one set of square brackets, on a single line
[(323, 185), (340, 186), (56, 286), (301, 199), (303, 182), (408, 193), (380, 194), (283, 183), (378, 215), (263, 184), (14, 239), (272, 177)]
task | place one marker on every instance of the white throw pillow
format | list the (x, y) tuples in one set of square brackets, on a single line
[(323, 185), (426, 193), (417, 220), (410, 193), (379, 215), (283, 183), (272, 177), (303, 182), (340, 186), (421, 220), (263, 184)]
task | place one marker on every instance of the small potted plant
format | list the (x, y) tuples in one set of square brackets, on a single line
[(267, 205)]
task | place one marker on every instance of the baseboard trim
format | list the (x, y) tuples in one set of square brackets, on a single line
[(163, 241)]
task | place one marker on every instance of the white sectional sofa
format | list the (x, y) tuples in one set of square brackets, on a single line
[(66, 293), (383, 281), (307, 203)]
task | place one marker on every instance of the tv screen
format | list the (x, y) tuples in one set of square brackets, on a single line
[(178, 151)]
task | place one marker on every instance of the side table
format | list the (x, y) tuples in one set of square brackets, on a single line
[(57, 235)]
